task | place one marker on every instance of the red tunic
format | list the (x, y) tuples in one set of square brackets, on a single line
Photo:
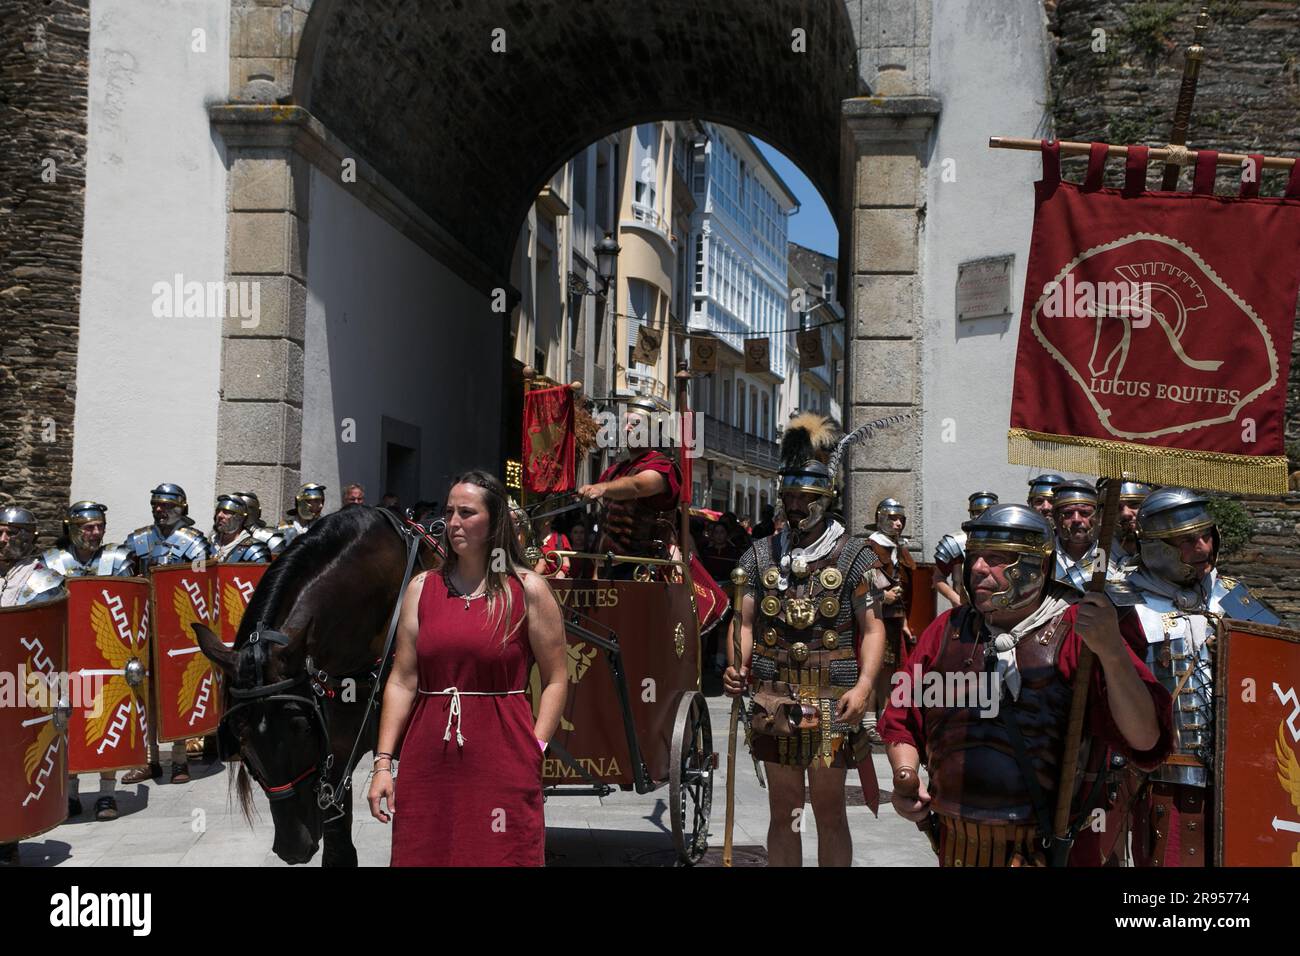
[(478, 803), (650, 461), (906, 725)]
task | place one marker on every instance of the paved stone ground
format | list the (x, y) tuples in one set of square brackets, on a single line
[(197, 824)]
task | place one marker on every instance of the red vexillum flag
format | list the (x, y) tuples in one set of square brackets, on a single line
[(548, 440), (1155, 335)]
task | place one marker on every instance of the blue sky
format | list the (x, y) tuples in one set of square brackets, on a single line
[(812, 225)]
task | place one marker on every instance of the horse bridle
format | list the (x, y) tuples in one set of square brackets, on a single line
[(329, 796)]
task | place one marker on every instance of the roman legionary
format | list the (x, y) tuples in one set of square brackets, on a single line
[(307, 507), (640, 491), (812, 644), (985, 698), (26, 577), (1041, 490), (171, 538), (894, 581), (231, 540), (1179, 596), (1124, 545), (1075, 511), (950, 554), (82, 552), (256, 527)]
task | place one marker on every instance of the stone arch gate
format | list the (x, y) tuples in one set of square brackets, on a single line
[(452, 138)]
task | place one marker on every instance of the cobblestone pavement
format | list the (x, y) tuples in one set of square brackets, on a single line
[(198, 824)]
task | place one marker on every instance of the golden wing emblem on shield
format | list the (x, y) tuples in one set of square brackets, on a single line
[(1288, 767), (199, 666), (36, 752), (232, 604), (109, 697)]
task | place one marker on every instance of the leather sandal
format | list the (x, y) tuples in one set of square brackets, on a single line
[(180, 773), (106, 808), (141, 774)]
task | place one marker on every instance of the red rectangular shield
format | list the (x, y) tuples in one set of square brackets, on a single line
[(33, 753), (235, 586), (108, 629), (186, 688), (1257, 758)]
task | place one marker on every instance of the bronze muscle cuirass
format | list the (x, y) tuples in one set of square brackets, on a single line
[(974, 774), (805, 657)]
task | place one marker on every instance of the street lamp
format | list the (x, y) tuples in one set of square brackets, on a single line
[(607, 251)]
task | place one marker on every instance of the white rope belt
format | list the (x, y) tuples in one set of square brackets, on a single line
[(454, 713)]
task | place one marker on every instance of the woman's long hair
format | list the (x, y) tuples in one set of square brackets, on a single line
[(502, 543)]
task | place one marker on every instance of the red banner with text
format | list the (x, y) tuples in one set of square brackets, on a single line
[(1155, 335)]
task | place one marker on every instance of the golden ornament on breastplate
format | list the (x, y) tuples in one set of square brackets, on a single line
[(799, 652), (831, 579), (800, 612), (771, 578), (829, 607), (830, 639), (770, 606), (769, 637), (799, 567)]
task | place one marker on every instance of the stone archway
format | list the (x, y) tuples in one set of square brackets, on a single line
[(494, 95)]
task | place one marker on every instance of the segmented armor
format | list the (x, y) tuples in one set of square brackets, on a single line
[(151, 547), (111, 560)]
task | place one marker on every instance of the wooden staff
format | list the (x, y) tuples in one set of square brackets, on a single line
[(738, 579), (1083, 673), (1186, 96), (1073, 148)]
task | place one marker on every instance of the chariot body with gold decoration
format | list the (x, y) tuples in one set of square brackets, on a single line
[(635, 718)]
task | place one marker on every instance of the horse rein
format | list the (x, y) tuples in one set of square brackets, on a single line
[(330, 796)]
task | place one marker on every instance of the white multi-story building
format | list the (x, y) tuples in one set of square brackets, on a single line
[(739, 244)]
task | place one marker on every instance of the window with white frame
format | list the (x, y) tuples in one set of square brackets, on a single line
[(646, 170)]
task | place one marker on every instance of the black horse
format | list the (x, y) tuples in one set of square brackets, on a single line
[(301, 672)]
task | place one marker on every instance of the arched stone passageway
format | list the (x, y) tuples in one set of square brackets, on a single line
[(470, 134), (447, 119)]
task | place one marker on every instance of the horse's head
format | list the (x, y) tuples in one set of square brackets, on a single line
[(323, 606), (275, 724)]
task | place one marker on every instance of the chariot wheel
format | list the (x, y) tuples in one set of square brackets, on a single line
[(690, 778)]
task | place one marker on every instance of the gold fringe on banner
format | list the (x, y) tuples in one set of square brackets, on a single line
[(1203, 470)]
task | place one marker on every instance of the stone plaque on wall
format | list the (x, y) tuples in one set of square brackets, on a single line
[(984, 288)]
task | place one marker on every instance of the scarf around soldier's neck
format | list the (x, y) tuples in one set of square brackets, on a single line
[(1004, 640), (885, 541), (819, 548)]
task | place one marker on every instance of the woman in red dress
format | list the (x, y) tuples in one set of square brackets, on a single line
[(471, 768)]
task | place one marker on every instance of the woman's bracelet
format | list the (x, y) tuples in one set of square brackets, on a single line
[(387, 770)]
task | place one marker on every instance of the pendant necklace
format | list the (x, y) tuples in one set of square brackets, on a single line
[(468, 597)]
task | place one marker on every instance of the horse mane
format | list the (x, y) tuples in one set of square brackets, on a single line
[(329, 539)]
